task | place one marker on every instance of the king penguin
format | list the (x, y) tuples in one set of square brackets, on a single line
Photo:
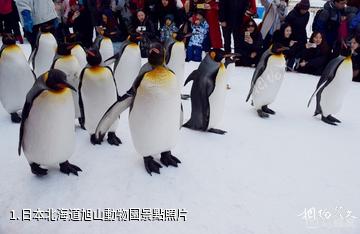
[(127, 64), (47, 132), (44, 51), (77, 50), (104, 44), (332, 87), (175, 57), (68, 63), (208, 92), (155, 114), (97, 91), (16, 77), (267, 79)]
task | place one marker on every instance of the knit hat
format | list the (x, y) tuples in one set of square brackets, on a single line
[(303, 5), (170, 17)]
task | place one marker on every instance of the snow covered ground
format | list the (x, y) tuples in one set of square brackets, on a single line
[(257, 179)]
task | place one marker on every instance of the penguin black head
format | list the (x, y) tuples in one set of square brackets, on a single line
[(179, 36), (55, 80), (345, 50), (8, 39), (278, 48), (156, 54), (93, 57), (64, 49), (109, 34), (72, 38), (46, 28), (134, 38), (217, 54)]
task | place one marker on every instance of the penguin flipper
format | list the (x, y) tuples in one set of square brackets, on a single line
[(112, 114), (192, 76), (1, 49), (111, 60), (38, 87), (34, 51), (168, 48), (81, 103)]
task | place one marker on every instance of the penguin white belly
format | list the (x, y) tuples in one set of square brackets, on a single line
[(45, 53), (106, 49), (98, 93), (177, 62), (49, 132), (268, 85), (80, 55), (16, 78), (70, 66), (217, 98), (154, 118), (333, 94), (128, 68)]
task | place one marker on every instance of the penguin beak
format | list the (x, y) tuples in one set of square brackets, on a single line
[(231, 58), (282, 49), (231, 55)]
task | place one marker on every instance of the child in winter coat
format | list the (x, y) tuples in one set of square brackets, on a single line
[(168, 29), (200, 29)]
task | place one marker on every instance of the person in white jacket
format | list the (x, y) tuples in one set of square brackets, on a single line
[(33, 14)]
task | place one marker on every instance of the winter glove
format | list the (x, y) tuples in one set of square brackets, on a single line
[(28, 23)]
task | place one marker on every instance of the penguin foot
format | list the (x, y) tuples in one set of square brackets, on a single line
[(185, 96), (262, 114), (328, 121), (217, 131), (94, 140), (151, 165), (37, 170), (82, 123), (267, 110), (68, 168), (113, 139), (333, 119), (15, 118), (169, 160)]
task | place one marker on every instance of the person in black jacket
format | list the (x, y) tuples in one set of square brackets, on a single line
[(314, 57), (355, 47), (250, 45), (231, 13), (143, 27), (298, 18)]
